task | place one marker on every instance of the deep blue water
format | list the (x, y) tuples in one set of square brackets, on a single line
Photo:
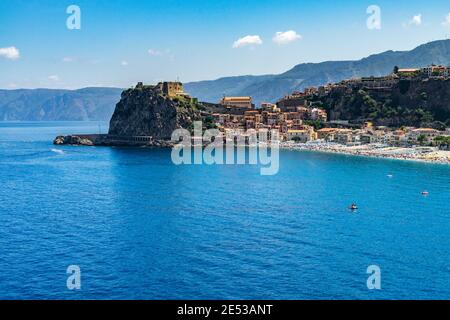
[(140, 227)]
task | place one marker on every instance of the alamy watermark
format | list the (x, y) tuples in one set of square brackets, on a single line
[(374, 280), (232, 147), (74, 279), (73, 22), (374, 20)]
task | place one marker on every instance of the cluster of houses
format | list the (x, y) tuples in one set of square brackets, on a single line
[(302, 133), (288, 117), (389, 81), (433, 71), (291, 116), (406, 136)]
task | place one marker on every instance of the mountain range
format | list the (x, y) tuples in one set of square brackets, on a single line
[(270, 88), (58, 105), (99, 103)]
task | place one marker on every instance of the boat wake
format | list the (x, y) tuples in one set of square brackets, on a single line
[(57, 151)]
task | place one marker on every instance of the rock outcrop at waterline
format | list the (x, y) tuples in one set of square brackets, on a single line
[(147, 116), (146, 111), (73, 140), (110, 141)]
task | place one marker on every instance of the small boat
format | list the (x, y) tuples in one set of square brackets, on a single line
[(353, 207), (425, 193), (390, 175)]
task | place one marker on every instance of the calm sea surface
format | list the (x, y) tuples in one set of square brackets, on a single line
[(140, 227)]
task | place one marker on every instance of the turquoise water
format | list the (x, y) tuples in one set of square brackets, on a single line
[(140, 227)]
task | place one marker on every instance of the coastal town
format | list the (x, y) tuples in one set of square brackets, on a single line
[(301, 125), (297, 121)]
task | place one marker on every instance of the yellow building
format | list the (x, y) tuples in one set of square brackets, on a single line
[(242, 102), (172, 89), (368, 125)]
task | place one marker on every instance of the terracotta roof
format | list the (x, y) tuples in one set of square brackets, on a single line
[(236, 98), (297, 131), (327, 130), (425, 129)]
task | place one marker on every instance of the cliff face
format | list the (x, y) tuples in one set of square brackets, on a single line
[(432, 96), (414, 102), (145, 111)]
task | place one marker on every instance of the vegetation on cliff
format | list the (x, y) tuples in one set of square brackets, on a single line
[(410, 102), (146, 111)]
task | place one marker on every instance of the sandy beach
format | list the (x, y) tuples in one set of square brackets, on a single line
[(424, 154)]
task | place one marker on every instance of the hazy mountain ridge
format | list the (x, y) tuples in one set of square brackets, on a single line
[(272, 87), (99, 103), (57, 104)]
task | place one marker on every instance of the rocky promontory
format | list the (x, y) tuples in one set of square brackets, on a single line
[(148, 111), (146, 115)]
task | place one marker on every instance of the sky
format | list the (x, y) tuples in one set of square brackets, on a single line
[(117, 43)]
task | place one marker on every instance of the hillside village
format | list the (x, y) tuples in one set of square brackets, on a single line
[(147, 115), (298, 117)]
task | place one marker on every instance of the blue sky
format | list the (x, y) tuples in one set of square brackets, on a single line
[(121, 42)]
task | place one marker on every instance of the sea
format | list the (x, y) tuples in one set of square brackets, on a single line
[(136, 226)]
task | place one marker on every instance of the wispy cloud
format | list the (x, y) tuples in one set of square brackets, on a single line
[(11, 53), (68, 59), (446, 22), (286, 37), (247, 41), (414, 21), (53, 77), (154, 52), (166, 53)]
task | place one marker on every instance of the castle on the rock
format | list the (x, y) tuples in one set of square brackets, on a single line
[(170, 89)]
